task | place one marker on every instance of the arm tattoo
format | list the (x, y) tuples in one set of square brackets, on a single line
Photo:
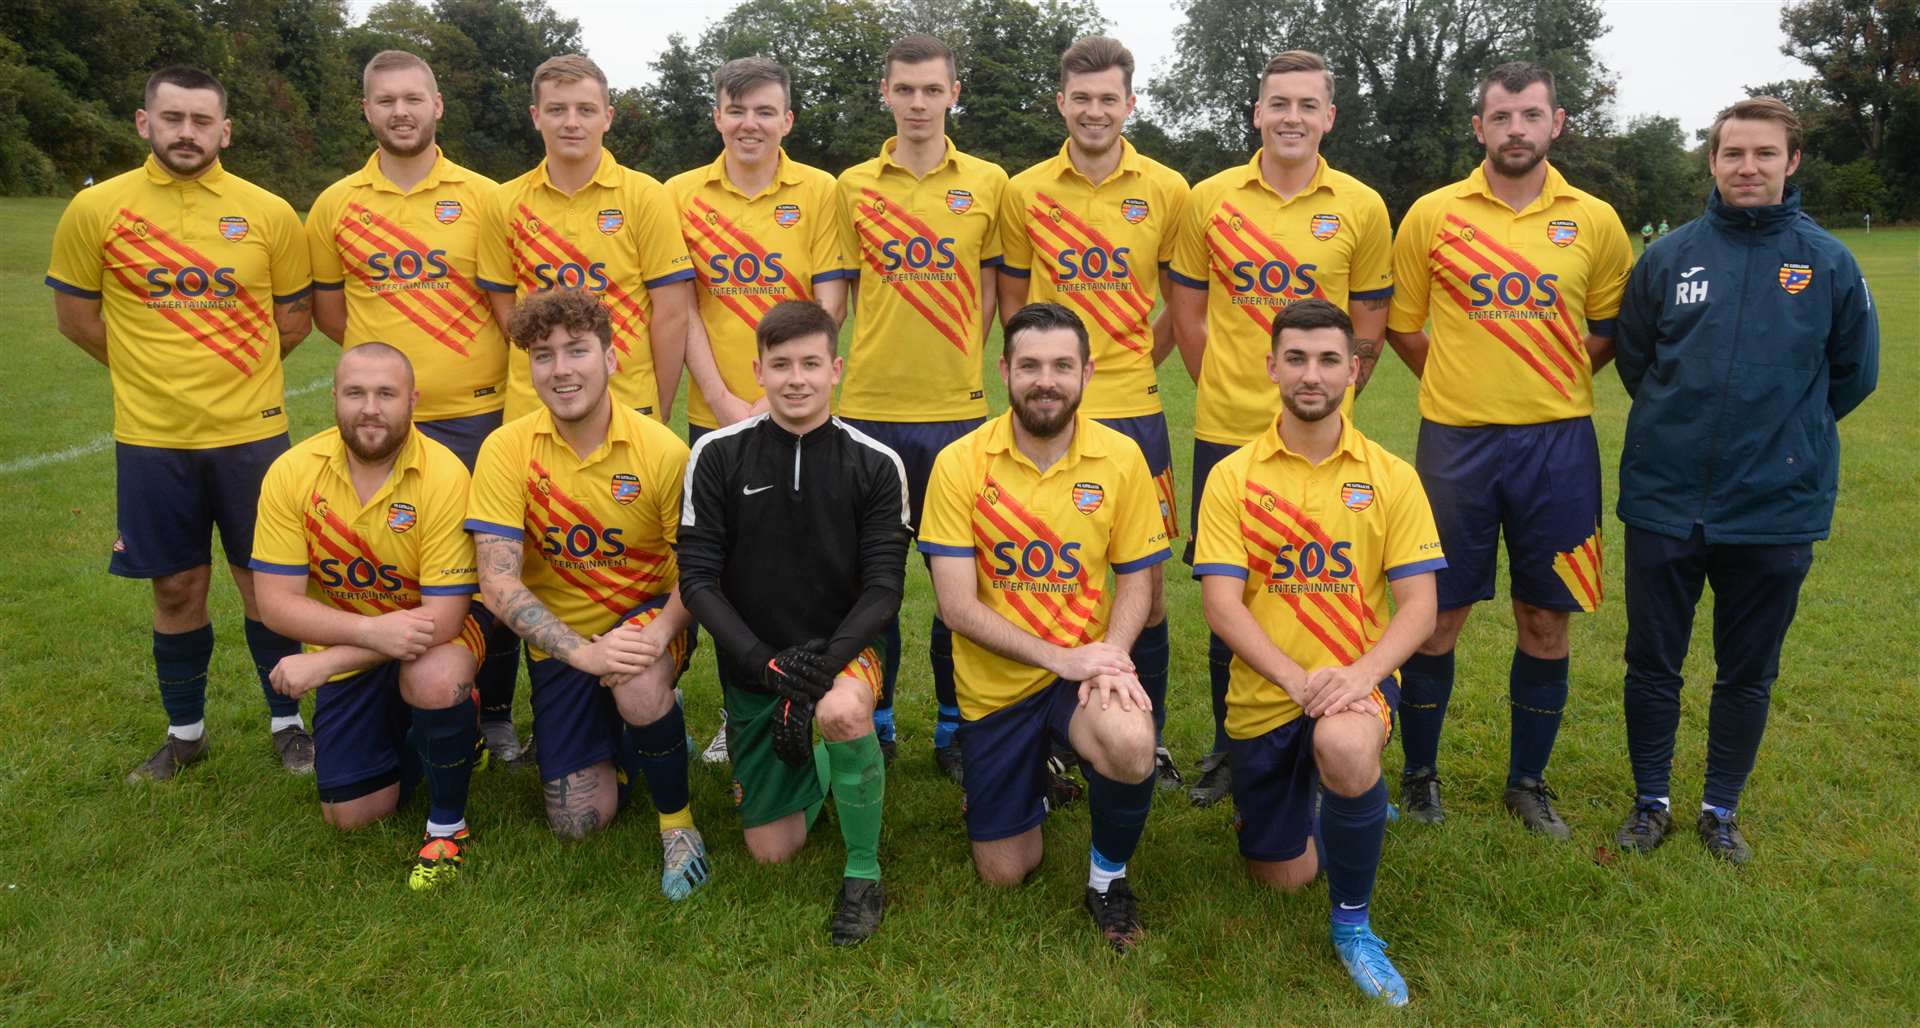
[(500, 563), (1377, 303), (570, 804), (300, 306)]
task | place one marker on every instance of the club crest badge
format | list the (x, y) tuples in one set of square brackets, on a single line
[(233, 228), (626, 488), (1562, 233), (1357, 496), (1795, 277), (959, 201), (1087, 496), (446, 212), (610, 221), (786, 215), (1134, 210), (1324, 226), (400, 517)]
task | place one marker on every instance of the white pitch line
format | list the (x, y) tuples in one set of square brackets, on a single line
[(95, 445)]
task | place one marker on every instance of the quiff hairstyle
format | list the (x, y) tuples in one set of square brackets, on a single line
[(795, 319), (186, 77), (396, 60), (1290, 61), (576, 310), (568, 68), (740, 76), (1760, 108), (1515, 76), (1091, 55), (917, 48)]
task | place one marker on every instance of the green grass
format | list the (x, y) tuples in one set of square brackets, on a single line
[(222, 897)]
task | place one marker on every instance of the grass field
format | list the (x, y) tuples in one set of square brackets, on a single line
[(222, 897)]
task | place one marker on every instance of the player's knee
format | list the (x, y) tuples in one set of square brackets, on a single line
[(1002, 872), (846, 713), (778, 842), (182, 595), (1124, 750), (1446, 631), (645, 699), (436, 685), (1285, 875), (1347, 757), (359, 813), (1542, 632)]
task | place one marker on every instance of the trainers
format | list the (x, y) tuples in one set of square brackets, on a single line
[(1116, 915), (1720, 831), (1420, 796), (439, 861), (1365, 957), (295, 747), (947, 758), (1167, 775), (1531, 800), (503, 745), (1062, 787), (1215, 782), (716, 751), (684, 866), (173, 755), (859, 911), (1646, 828)]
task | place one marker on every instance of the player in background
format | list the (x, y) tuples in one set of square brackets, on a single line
[(1646, 235), (581, 220), (361, 555), (1093, 228), (793, 530), (190, 284), (1026, 516), (1283, 227), (395, 246), (1520, 275), (761, 228), (1661, 232), (574, 511), (922, 231), (1301, 534)]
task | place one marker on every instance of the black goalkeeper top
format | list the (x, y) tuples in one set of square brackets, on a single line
[(787, 538)]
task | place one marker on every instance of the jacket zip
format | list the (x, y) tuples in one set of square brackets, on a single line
[(1726, 385), (796, 464)]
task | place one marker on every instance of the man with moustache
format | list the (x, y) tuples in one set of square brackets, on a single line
[(1520, 275), (1026, 516), (1093, 229), (362, 556), (189, 284), (574, 512), (395, 246), (1300, 535), (793, 544)]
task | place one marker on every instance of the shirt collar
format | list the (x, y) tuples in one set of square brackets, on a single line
[(893, 142), (214, 179), (786, 173), (1268, 444), (443, 170), (620, 429), (606, 174), (1086, 444), (1318, 182), (1061, 164), (1550, 189), (412, 457)]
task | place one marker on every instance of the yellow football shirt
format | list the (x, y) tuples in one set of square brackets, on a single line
[(1317, 547), (405, 542), (919, 245), (1098, 250), (405, 261), (597, 532), (1254, 253), (616, 235), (751, 252), (1511, 296), (187, 275), (1042, 542)]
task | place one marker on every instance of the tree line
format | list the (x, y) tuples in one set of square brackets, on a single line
[(71, 73)]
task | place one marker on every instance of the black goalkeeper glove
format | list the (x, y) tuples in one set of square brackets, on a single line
[(798, 673)]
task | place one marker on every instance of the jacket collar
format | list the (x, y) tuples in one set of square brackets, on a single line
[(1754, 219)]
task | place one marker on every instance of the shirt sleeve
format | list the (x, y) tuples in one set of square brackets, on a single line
[(1138, 539), (946, 519), (826, 241), (493, 270), (1370, 273), (993, 243), (669, 478), (446, 551), (1853, 347), (1016, 250), (1413, 543), (849, 237), (663, 251), (496, 501), (76, 268), (1190, 265), (287, 257), (1218, 548), (1607, 280), (1412, 278), (701, 548), (883, 558), (1179, 194), (328, 270), (279, 539)]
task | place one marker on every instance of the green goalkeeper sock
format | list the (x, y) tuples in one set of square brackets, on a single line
[(859, 787)]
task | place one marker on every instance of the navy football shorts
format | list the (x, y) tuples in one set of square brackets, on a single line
[(1205, 456), (1274, 778), (169, 501), (1006, 754), (1150, 432), (574, 716), (917, 443), (360, 733), (462, 435)]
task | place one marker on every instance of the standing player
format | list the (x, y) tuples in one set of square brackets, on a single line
[(1299, 537), (1747, 337), (1093, 228), (581, 220), (1025, 517), (189, 284), (923, 233), (1281, 228), (574, 512), (394, 249), (362, 557), (1521, 275), (794, 529)]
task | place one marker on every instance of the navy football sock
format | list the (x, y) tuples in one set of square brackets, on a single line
[(1219, 671), (1426, 684), (497, 675), (267, 647), (659, 752), (1150, 658), (180, 664), (446, 740), (1537, 691), (940, 654), (1353, 828), (1118, 812)]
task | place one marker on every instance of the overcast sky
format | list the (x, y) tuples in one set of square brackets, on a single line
[(1683, 58)]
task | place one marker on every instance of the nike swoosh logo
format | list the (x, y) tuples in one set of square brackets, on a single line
[(744, 491), (1690, 272), (1352, 906)]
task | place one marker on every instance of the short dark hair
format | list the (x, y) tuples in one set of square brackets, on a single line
[(375, 348), (574, 309), (186, 77), (1040, 317), (736, 77), (1312, 313), (795, 319), (1091, 55), (1760, 108), (1289, 61), (1513, 77), (396, 60), (917, 48)]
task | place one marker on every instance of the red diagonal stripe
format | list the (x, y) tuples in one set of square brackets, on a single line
[(1251, 228), (948, 327), (425, 316), (1496, 331), (1083, 604), (1353, 634), (156, 233), (961, 291), (232, 324), (413, 242), (441, 306), (1531, 328), (1042, 626), (1519, 263), (178, 320), (1092, 302), (1264, 569), (1319, 535), (1134, 298), (914, 226)]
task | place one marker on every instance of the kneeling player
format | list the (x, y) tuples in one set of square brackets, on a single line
[(573, 513), (361, 556), (795, 530), (1300, 534), (1024, 518)]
